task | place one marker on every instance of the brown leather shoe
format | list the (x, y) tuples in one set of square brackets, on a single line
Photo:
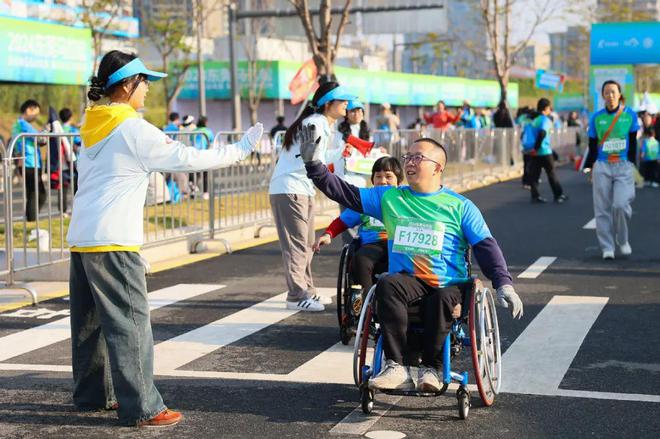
[(165, 418)]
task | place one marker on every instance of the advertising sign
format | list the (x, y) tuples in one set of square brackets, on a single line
[(569, 102), (549, 81), (625, 43), (44, 53)]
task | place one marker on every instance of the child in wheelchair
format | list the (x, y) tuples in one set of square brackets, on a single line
[(369, 250)]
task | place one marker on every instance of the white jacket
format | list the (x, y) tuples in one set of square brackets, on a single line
[(113, 176)]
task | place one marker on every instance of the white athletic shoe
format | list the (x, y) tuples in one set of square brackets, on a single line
[(429, 381), (323, 300), (305, 305), (394, 376), (608, 254), (625, 249)]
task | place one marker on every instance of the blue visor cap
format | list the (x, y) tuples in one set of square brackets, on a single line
[(135, 67), (336, 94), (352, 105)]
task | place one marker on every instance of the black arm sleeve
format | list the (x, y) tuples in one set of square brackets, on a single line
[(632, 148), (539, 139), (592, 154), (334, 187), (492, 263)]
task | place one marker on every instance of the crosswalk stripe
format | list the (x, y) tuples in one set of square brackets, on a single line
[(38, 337), (539, 358), (535, 270), (334, 364), (591, 225)]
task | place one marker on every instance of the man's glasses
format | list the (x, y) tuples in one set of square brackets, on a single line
[(416, 159)]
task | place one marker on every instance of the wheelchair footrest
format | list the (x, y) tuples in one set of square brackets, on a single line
[(412, 393)]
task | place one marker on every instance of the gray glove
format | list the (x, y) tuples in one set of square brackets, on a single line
[(309, 144), (507, 298)]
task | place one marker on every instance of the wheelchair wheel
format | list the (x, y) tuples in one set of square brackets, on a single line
[(367, 400), (362, 336), (463, 397), (345, 334), (342, 284), (485, 344)]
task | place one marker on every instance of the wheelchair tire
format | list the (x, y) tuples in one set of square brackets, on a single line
[(341, 284), (463, 397), (345, 334), (362, 337), (485, 344)]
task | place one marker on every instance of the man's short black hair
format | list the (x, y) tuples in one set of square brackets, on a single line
[(30, 103), (434, 143), (65, 115), (542, 104), (173, 116)]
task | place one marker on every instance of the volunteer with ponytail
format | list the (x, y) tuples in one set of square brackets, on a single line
[(612, 154), (292, 193), (112, 341)]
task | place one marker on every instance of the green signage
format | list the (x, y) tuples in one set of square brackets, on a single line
[(373, 87), (45, 53), (569, 102), (623, 74)]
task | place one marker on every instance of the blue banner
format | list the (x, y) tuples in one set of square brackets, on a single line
[(625, 43), (549, 81)]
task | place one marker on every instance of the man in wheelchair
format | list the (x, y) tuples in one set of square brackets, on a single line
[(429, 229), (371, 257)]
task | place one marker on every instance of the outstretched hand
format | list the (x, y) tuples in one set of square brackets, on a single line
[(253, 134), (309, 144), (508, 298), (322, 240)]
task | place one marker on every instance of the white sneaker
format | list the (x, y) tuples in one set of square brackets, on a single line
[(429, 380), (654, 184), (393, 377), (608, 254), (305, 305), (625, 249), (323, 300)]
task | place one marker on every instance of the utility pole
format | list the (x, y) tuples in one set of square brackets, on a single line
[(201, 80), (234, 15)]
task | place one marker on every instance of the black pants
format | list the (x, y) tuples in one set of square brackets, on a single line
[(535, 166), (650, 171), (31, 188), (393, 295), (526, 163), (370, 259)]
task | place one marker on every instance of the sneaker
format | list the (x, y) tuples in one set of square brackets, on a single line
[(608, 255), (429, 381), (305, 305), (539, 200), (393, 377), (625, 249), (323, 300), (654, 184), (560, 199), (166, 418)]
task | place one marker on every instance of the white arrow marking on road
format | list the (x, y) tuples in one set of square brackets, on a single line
[(38, 337), (591, 225), (539, 358), (535, 270)]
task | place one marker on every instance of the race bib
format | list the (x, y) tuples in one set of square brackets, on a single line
[(418, 237), (614, 145)]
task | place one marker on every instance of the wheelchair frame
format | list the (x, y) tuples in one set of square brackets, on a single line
[(477, 328)]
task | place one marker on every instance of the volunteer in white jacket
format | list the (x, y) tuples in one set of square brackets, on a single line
[(112, 342), (292, 194)]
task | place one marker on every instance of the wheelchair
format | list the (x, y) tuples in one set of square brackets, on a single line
[(475, 328), (349, 302)]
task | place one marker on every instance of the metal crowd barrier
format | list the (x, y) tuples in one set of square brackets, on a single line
[(196, 206)]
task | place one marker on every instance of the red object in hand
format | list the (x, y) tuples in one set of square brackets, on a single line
[(364, 146)]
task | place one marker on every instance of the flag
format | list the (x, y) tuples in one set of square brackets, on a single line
[(304, 82)]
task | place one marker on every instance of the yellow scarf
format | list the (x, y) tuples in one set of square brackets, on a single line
[(100, 120)]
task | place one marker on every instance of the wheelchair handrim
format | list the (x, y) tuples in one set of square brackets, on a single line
[(476, 322), (359, 357)]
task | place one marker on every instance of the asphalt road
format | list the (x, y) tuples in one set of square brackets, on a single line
[(586, 350)]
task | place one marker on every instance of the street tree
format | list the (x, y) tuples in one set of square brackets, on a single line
[(323, 48), (98, 16)]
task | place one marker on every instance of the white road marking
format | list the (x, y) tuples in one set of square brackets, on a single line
[(38, 337), (535, 270), (333, 364), (358, 423), (539, 358), (591, 225)]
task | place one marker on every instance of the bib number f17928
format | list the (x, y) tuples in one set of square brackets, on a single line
[(418, 237)]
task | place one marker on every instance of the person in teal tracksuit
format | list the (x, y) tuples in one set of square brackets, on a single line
[(542, 155)]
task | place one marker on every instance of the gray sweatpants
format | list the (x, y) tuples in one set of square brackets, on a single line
[(614, 191), (294, 219)]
